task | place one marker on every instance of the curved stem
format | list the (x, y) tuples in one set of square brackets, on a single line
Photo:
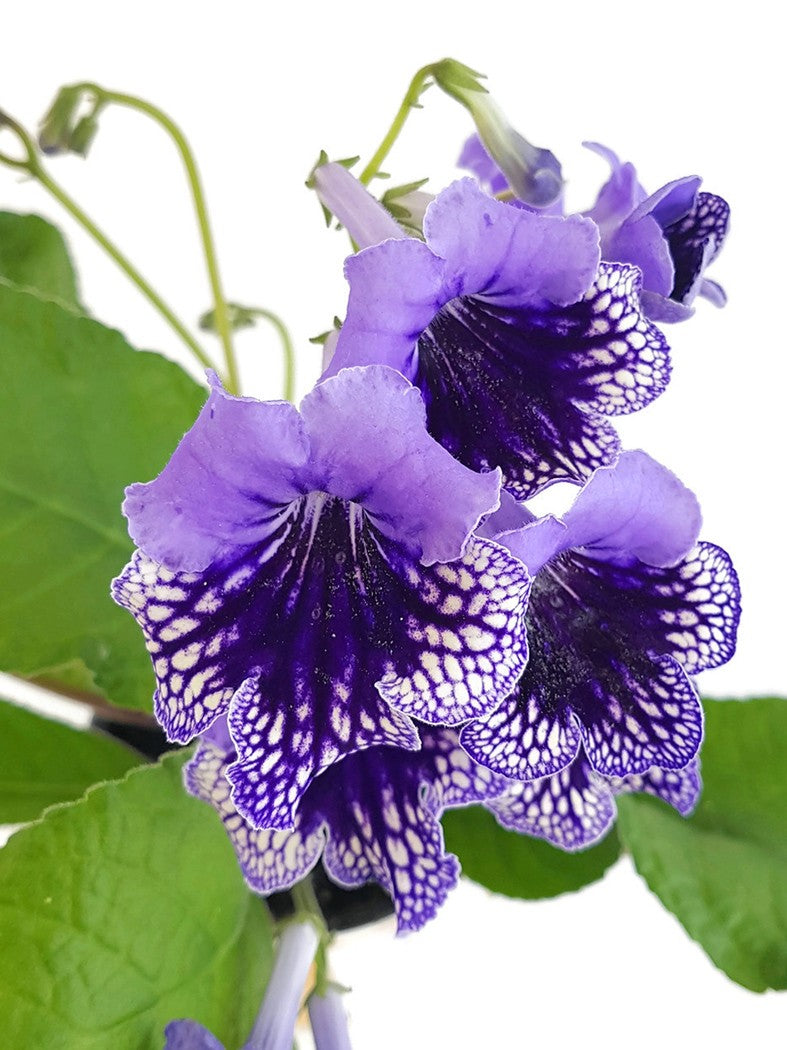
[(307, 906), (123, 262), (410, 101), (206, 236), (32, 165)]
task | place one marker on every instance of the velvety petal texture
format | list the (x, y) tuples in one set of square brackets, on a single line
[(373, 816), (332, 619), (625, 607), (576, 807), (520, 343)]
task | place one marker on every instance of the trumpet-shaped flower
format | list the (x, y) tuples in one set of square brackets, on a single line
[(673, 235), (625, 606), (520, 342), (291, 575)]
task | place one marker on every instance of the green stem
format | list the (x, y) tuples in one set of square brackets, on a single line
[(32, 165), (221, 314), (288, 350), (307, 906), (125, 265), (410, 101)]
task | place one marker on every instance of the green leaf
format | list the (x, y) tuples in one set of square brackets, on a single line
[(34, 256), (44, 762), (123, 911), (82, 415), (724, 872), (518, 865)]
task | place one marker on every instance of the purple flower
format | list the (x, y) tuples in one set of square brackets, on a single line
[(291, 575), (625, 605), (373, 816), (275, 1024), (575, 808), (673, 235), (518, 340), (476, 159)]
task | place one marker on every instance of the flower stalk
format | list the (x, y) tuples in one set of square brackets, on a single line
[(31, 164), (101, 98)]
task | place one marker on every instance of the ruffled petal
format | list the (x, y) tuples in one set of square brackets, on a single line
[(310, 635), (641, 713), (528, 736), (679, 788), (456, 780), (270, 860), (509, 256), (396, 288), (224, 485), (367, 428), (695, 240), (464, 634), (618, 197), (634, 509), (610, 647), (572, 809), (379, 828)]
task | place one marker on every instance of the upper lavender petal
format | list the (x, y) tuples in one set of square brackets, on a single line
[(509, 256), (620, 513), (224, 484), (412, 489)]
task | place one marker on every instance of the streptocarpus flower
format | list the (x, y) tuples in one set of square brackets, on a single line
[(625, 605), (476, 159), (290, 574), (575, 808), (372, 816), (518, 340), (673, 235)]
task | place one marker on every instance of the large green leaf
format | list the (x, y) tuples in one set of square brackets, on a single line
[(123, 911), (43, 762), (518, 865), (82, 415), (724, 871), (34, 255)]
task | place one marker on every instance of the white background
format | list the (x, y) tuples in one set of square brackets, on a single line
[(679, 88)]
